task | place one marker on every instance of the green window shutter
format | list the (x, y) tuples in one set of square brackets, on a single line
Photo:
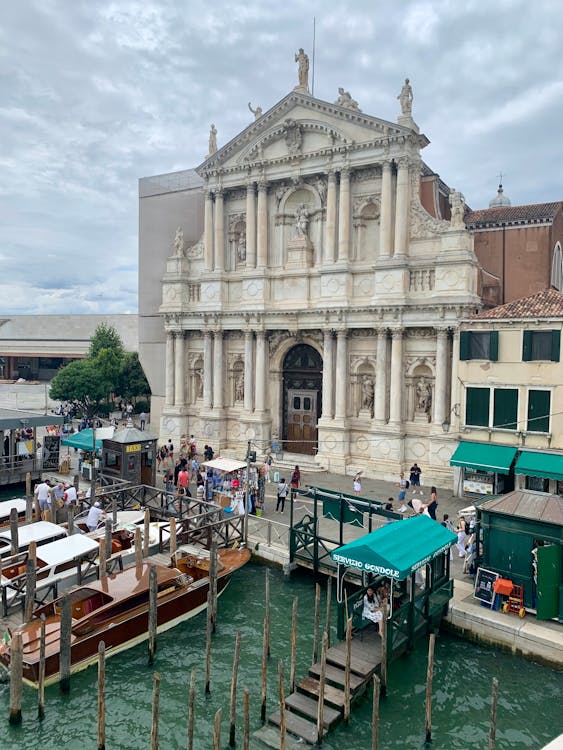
[(493, 346), (539, 406), (464, 345), (505, 408), (477, 407), (555, 345), (527, 346)]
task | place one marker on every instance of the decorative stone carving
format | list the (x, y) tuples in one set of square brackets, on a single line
[(363, 175), (361, 201), (235, 219), (421, 280), (194, 252), (405, 99), (238, 194), (422, 224), (293, 136), (256, 112), (302, 70), (179, 242), (301, 221), (212, 140), (345, 100), (239, 387), (457, 203), (367, 386)]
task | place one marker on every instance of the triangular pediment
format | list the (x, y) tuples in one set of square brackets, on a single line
[(299, 126)]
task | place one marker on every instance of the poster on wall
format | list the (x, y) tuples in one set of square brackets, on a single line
[(51, 452), (477, 488)]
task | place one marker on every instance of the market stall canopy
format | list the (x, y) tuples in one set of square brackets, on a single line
[(537, 464), (225, 464), (84, 440), (15, 419), (397, 549), (484, 457)]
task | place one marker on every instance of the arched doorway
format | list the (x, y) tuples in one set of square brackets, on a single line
[(302, 396)]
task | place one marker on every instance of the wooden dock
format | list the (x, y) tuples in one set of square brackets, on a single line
[(301, 706)]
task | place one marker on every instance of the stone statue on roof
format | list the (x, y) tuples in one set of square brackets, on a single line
[(256, 112), (179, 242), (345, 100), (302, 70), (457, 203), (212, 139), (405, 98)]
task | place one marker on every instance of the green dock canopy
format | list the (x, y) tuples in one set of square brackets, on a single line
[(548, 465), (397, 549), (83, 440), (484, 457)]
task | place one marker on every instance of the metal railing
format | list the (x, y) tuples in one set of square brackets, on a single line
[(264, 532)]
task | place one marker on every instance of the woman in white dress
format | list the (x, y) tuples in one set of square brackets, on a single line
[(461, 537), (372, 607)]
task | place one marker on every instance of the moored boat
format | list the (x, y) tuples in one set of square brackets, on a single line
[(115, 610)]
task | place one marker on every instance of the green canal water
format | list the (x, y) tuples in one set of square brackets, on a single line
[(529, 710)]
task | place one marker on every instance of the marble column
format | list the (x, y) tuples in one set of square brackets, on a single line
[(250, 225), (380, 402), (440, 381), (208, 231), (248, 371), (402, 209), (262, 368), (218, 390), (341, 374), (262, 226), (219, 232), (344, 216), (328, 375), (207, 370), (396, 397), (385, 221), (330, 238), (169, 386), (179, 369)]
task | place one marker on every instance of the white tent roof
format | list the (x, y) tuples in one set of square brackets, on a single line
[(225, 464)]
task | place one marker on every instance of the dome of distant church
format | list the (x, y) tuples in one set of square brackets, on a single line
[(500, 199)]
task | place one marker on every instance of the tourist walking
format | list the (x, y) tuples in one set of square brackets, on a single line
[(461, 537), (357, 484), (282, 494), (268, 465), (414, 476), (433, 503), (295, 479)]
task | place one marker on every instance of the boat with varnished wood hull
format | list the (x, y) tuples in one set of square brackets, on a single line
[(115, 611)]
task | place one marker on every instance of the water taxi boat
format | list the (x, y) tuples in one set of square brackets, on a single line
[(115, 611), (40, 532), (6, 506)]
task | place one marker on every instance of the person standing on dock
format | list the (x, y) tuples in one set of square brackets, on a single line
[(43, 494), (282, 494), (372, 607)]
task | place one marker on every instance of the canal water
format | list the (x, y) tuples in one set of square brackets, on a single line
[(529, 709)]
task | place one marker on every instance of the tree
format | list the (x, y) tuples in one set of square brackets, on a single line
[(106, 337), (132, 381), (81, 383)]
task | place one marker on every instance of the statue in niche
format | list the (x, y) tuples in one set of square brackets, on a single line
[(212, 139), (368, 388), (320, 184), (457, 203), (241, 247), (345, 100), (239, 386), (405, 98), (303, 69), (293, 135), (301, 221), (423, 396), (198, 383), (179, 242), (256, 112)]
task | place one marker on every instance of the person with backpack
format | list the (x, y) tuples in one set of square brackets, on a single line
[(403, 485)]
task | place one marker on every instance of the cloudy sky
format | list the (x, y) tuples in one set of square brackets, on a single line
[(95, 94)]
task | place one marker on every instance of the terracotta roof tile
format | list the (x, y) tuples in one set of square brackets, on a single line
[(512, 214), (545, 304)]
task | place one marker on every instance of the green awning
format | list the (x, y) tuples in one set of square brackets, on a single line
[(547, 465), (83, 440), (484, 457), (397, 549)]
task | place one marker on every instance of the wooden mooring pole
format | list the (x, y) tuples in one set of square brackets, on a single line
[(213, 568), (16, 679), (41, 676), (267, 609), (293, 656), (30, 580), (138, 548), (107, 537), (233, 706), (191, 711), (429, 675), (102, 560), (65, 646), (155, 709), (328, 607), (347, 670), (146, 532), (101, 696), (264, 672), (375, 714), (173, 541), (322, 683), (114, 510), (153, 612), (316, 623), (208, 629), (383, 634), (493, 724), (70, 519), (28, 485), (14, 530), (28, 507), (217, 730), (282, 705), (246, 719)]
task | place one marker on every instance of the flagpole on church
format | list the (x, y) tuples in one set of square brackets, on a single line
[(313, 75)]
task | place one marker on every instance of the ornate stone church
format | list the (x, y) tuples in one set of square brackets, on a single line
[(303, 287)]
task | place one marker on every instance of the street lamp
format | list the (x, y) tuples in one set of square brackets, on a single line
[(446, 423)]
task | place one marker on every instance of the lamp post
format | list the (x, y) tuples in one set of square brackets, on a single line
[(446, 424)]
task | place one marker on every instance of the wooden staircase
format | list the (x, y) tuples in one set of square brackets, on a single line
[(301, 707)]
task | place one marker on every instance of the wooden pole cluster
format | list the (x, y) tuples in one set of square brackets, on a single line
[(375, 714), (65, 646), (16, 679), (493, 725), (153, 611), (316, 623), (41, 680), (293, 656), (429, 675), (233, 706), (146, 532), (101, 696)]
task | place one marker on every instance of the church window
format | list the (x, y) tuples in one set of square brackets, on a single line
[(478, 345), (557, 268)]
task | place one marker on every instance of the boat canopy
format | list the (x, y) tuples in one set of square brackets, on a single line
[(397, 549), (35, 532), (7, 505), (64, 550)]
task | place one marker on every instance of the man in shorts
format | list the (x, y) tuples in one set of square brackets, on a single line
[(43, 494)]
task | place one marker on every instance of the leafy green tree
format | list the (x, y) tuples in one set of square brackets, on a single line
[(106, 337), (132, 382), (80, 383)]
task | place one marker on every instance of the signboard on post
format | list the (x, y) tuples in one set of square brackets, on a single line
[(484, 586), (51, 451)]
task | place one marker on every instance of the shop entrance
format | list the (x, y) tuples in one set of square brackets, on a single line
[(302, 391)]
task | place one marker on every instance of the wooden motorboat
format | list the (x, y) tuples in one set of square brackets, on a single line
[(40, 532), (6, 506), (115, 611)]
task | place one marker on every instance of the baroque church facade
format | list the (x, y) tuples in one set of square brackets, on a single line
[(314, 271)]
